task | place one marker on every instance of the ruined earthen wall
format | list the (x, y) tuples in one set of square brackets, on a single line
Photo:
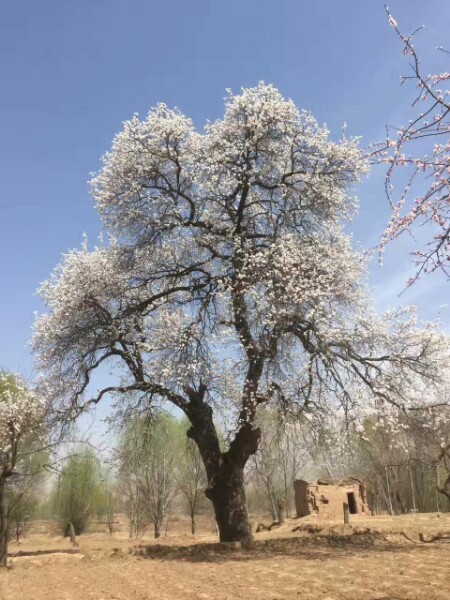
[(326, 501), (301, 497)]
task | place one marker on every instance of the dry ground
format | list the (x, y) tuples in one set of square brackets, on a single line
[(375, 558)]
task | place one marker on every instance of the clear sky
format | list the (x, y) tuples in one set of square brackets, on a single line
[(71, 72)]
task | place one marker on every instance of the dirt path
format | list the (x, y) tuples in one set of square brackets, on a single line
[(280, 567)]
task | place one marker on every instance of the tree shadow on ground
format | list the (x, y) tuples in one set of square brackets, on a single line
[(318, 548), (42, 552)]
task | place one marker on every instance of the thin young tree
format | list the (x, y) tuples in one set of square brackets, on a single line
[(22, 505), (78, 491), (262, 472), (282, 455), (107, 497), (22, 412), (25, 488), (227, 282), (190, 473), (148, 457), (134, 505), (111, 501)]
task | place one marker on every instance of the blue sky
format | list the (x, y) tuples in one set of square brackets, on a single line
[(71, 72)]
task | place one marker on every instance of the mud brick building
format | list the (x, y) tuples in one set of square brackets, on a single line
[(325, 498)]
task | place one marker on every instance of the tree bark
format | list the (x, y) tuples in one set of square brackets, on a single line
[(157, 529), (3, 524), (281, 507), (227, 494), (193, 522), (224, 470)]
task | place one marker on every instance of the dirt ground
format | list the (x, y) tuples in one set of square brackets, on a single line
[(375, 558)]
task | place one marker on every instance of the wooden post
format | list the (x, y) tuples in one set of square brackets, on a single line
[(346, 514)]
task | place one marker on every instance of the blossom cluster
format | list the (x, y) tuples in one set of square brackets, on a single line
[(21, 410), (418, 159)]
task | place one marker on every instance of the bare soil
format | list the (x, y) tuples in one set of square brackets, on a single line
[(375, 558)]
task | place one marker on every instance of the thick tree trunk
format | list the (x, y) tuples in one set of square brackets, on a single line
[(227, 493), (193, 522), (225, 470), (445, 489), (3, 524)]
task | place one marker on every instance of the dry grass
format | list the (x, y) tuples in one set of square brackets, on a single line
[(375, 558)]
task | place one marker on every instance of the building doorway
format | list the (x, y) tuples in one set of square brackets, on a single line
[(352, 503)]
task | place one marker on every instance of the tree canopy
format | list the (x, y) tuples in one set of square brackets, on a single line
[(22, 412), (228, 281)]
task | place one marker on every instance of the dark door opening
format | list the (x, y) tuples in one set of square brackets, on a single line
[(352, 503)]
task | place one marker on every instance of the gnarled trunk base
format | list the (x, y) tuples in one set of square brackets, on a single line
[(227, 494), (225, 470)]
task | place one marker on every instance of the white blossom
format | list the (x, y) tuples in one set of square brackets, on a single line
[(227, 278), (21, 410)]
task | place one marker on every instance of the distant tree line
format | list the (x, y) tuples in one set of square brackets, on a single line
[(156, 471)]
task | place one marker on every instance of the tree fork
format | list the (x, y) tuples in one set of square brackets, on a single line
[(225, 471)]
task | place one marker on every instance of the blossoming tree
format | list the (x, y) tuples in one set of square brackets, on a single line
[(417, 434), (419, 153), (21, 412), (227, 283)]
